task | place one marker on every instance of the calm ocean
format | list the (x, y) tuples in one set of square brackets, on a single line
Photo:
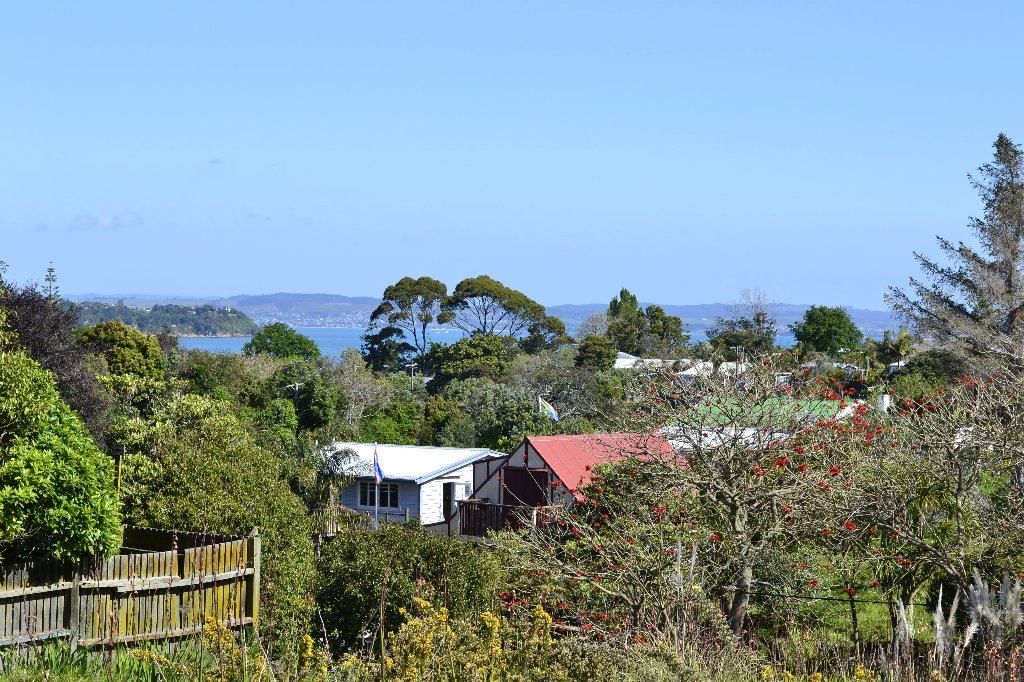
[(334, 341), (331, 340)]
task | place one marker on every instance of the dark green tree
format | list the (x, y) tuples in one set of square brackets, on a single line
[(642, 332), (45, 328), (316, 401), (626, 322), (412, 305), (482, 355), (747, 334), (972, 301), (281, 341), (595, 353), (827, 330), (127, 351), (545, 334), (385, 349), (479, 413), (937, 364), (665, 334)]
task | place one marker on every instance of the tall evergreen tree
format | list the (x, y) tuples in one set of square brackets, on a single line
[(412, 305), (973, 302)]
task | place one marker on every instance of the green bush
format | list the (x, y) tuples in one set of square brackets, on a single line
[(195, 466), (126, 349), (57, 494), (355, 565), (281, 341)]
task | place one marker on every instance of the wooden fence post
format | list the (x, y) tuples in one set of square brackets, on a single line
[(74, 610), (254, 588)]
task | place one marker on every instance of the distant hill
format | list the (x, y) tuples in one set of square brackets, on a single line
[(699, 317), (184, 320), (335, 310), (301, 310)]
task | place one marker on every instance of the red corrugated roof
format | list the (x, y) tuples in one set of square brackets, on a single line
[(572, 458)]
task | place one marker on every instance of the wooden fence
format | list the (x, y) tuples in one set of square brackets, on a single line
[(163, 585)]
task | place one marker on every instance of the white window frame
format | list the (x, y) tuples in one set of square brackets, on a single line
[(388, 495)]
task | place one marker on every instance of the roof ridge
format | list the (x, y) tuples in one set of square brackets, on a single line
[(399, 445), (577, 436)]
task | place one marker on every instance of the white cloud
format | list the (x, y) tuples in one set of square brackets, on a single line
[(105, 222)]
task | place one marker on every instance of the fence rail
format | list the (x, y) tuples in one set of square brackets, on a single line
[(163, 585)]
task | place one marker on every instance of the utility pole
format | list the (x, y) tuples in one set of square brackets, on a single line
[(295, 393), (411, 366)]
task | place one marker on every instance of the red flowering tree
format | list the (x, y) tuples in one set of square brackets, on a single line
[(618, 566), (751, 473), (761, 468), (940, 489)]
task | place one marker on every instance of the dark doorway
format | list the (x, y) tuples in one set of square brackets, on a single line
[(447, 499), (526, 487)]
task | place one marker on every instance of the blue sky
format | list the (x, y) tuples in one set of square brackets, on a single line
[(685, 150)]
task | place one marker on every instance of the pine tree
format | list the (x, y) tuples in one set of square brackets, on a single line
[(51, 289), (973, 302)]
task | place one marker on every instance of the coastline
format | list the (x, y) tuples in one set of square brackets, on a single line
[(213, 336)]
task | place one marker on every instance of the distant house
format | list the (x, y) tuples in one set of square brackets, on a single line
[(894, 367), (543, 471), (627, 361), (419, 482)]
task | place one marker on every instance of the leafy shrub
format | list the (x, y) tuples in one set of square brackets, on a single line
[(126, 349), (195, 466), (57, 495), (281, 341), (354, 565)]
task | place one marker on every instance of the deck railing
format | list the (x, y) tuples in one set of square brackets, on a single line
[(477, 519), (329, 521)]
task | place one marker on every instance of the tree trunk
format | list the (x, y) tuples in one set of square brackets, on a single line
[(741, 598)]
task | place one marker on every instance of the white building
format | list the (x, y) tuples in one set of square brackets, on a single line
[(627, 361), (419, 482)]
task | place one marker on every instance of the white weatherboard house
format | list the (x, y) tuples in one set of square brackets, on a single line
[(419, 482)]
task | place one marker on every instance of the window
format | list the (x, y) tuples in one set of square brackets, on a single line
[(388, 495)]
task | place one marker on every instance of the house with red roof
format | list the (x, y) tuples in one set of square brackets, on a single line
[(543, 471)]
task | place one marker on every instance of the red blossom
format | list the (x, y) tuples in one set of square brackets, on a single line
[(802, 467)]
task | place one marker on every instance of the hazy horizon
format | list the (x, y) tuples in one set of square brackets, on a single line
[(93, 295)]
